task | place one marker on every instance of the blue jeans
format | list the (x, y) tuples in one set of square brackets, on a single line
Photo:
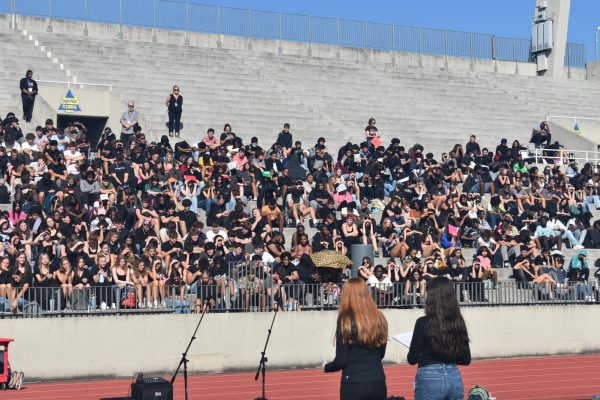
[(439, 382)]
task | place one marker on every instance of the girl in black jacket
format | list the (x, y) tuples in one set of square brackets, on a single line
[(361, 339)]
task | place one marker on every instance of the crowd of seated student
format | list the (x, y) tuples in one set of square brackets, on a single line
[(126, 220)]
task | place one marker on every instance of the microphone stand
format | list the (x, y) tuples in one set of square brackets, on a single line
[(262, 366), (184, 359)]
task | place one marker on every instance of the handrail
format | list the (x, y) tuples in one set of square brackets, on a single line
[(572, 117), (69, 84), (564, 156)]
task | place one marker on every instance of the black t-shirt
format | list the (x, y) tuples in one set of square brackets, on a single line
[(420, 348), (139, 236), (119, 170), (84, 278), (58, 169), (188, 217), (168, 246)]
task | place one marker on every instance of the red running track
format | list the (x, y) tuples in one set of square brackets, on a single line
[(558, 378)]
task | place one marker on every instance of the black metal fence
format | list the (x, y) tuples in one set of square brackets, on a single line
[(250, 293)]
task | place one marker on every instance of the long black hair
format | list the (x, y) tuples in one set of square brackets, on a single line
[(445, 325)]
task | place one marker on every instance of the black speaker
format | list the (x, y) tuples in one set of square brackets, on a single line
[(151, 389)]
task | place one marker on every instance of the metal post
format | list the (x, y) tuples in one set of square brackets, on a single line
[(187, 22), (280, 49), (393, 37), (120, 34), (446, 43), (219, 27), (471, 51), (366, 35), (338, 53), (249, 22), (50, 16), (309, 53), (494, 55), (249, 29), (13, 5), (420, 47), (596, 41), (85, 18), (154, 20), (515, 49)]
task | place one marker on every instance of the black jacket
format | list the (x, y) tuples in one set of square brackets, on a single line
[(358, 363), (23, 85), (420, 348)]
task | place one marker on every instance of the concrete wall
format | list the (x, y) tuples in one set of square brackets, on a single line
[(55, 348), (562, 130), (113, 31), (94, 102)]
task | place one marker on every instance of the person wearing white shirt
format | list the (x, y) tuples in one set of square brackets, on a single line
[(259, 250), (381, 284), (216, 230), (62, 140), (40, 139), (72, 158), (561, 230), (29, 147)]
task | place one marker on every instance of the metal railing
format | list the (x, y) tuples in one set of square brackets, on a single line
[(189, 16), (575, 55), (564, 156), (260, 296), (79, 85)]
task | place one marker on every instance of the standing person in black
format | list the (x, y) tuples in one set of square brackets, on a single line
[(361, 339), (174, 104), (440, 341), (29, 90)]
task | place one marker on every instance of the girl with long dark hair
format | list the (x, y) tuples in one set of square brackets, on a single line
[(440, 341), (361, 339)]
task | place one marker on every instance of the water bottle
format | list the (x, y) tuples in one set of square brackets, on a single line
[(93, 303), (52, 304), (101, 278)]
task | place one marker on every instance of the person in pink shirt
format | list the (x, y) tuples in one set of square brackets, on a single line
[(240, 158), (211, 141), (342, 197)]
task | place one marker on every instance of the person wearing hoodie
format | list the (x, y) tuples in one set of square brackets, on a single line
[(580, 263)]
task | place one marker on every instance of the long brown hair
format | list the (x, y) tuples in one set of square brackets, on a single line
[(359, 320), (445, 325)]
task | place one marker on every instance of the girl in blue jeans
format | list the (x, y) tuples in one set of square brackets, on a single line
[(440, 342)]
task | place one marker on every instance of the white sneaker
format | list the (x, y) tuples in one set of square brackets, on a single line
[(103, 305), (113, 306), (578, 247)]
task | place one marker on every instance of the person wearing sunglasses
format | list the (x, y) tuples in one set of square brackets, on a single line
[(174, 103)]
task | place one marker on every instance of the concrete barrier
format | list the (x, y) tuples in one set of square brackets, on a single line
[(119, 346)]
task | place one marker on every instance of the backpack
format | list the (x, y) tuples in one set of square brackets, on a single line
[(80, 300), (478, 393)]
